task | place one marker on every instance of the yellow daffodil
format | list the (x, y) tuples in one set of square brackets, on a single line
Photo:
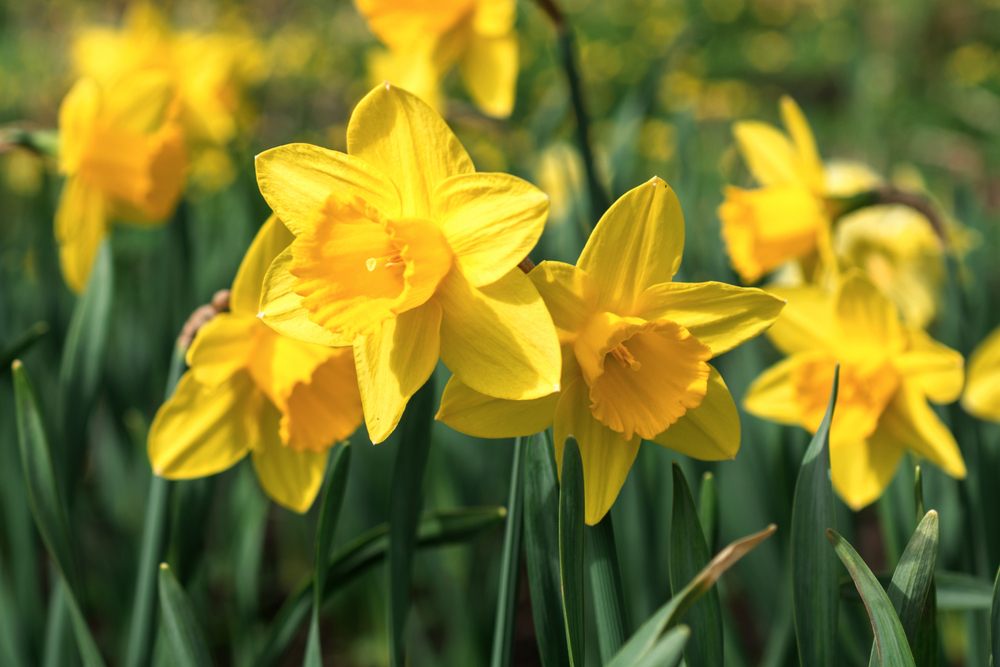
[(405, 252), (888, 372), (982, 389), (635, 351), (425, 38), (123, 156), (251, 390), (786, 218)]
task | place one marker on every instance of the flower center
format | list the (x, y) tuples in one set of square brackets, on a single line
[(624, 357)]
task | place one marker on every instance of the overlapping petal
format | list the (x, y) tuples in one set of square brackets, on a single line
[(805, 143), (709, 432), (935, 369), (489, 70), (81, 225), (807, 321), (404, 25), (473, 413), (772, 395), (912, 422), (861, 470), (224, 346), (270, 241), (771, 158), (868, 321), (292, 478), (569, 294)]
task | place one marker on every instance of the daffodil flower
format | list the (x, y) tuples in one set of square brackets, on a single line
[(426, 37), (981, 397), (406, 253), (635, 347), (252, 390), (123, 156), (888, 372)]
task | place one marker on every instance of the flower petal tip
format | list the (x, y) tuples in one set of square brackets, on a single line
[(260, 315)]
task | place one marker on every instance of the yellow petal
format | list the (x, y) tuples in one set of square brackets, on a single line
[(297, 179), (569, 294), (936, 369), (805, 144), (224, 346), (80, 228), (77, 114), (718, 315), (393, 363), (861, 471), (201, 430), (472, 413), (489, 70), (418, 72), (769, 155), (499, 339), (982, 392), (282, 310), (270, 241), (637, 244), (491, 222), (138, 102), (405, 24), (772, 394), (807, 321), (327, 408), (494, 18), (291, 478), (607, 457), (403, 138), (709, 432), (912, 422), (867, 319)]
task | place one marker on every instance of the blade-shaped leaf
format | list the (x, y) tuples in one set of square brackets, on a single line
[(647, 636), (708, 509), (606, 587), (890, 639), (510, 563), (925, 646), (541, 548), (688, 555), (571, 556), (670, 649), (995, 622), (956, 591), (815, 589), (180, 627), (22, 343)]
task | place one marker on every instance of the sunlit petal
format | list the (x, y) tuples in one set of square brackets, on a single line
[(709, 432)]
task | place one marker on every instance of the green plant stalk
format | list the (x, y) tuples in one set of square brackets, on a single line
[(606, 586), (510, 564)]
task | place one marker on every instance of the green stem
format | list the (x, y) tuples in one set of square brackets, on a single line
[(606, 583), (510, 565)]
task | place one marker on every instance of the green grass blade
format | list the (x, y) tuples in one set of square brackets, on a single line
[(405, 500), (606, 586), (510, 564), (180, 627), (688, 555), (648, 635), (708, 510), (815, 585), (925, 646), (956, 591), (363, 552), (918, 492), (890, 639), (995, 623), (541, 549), (571, 554), (22, 343), (333, 500), (670, 649)]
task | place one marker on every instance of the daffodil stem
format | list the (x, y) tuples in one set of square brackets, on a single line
[(510, 566), (599, 201), (887, 195)]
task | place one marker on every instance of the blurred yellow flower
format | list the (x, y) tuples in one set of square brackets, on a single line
[(888, 372), (405, 252), (635, 351), (982, 389), (426, 37), (123, 156), (252, 390)]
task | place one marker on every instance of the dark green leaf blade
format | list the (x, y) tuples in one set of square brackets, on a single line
[(670, 649), (606, 586), (180, 627), (925, 648), (708, 510), (571, 555), (890, 639), (22, 343), (815, 585), (688, 555), (510, 564), (995, 622)]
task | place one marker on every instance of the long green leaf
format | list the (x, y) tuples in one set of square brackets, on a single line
[(363, 552), (688, 555), (22, 343), (670, 649), (180, 627), (995, 623), (541, 548), (925, 647), (890, 639), (708, 510), (606, 586), (956, 591), (815, 589), (333, 500), (510, 563), (571, 555), (648, 635)]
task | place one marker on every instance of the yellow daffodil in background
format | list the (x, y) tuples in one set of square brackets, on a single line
[(405, 252), (786, 218), (251, 390), (888, 372), (982, 389), (425, 38), (635, 350), (123, 155)]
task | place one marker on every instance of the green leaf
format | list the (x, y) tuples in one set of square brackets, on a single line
[(708, 509), (367, 550), (22, 343), (510, 563), (405, 500), (669, 650), (688, 555), (815, 585), (890, 639), (918, 492), (606, 586), (995, 623), (541, 548), (333, 500), (648, 635), (956, 591), (180, 627), (571, 555), (925, 646)]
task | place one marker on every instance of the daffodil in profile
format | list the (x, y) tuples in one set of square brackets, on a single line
[(251, 390), (888, 372), (407, 254), (426, 38), (123, 155), (636, 349)]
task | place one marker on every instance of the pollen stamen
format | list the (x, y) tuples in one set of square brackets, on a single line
[(371, 263), (625, 358)]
